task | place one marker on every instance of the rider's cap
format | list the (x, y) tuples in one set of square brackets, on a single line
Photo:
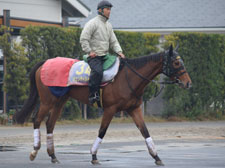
[(104, 4)]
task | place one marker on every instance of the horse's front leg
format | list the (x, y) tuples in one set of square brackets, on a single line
[(106, 119), (137, 116)]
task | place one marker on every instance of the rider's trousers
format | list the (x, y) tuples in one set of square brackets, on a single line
[(96, 65)]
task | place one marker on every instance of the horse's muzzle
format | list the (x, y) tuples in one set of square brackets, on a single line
[(187, 85)]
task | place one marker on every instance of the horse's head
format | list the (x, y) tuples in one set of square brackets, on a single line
[(173, 67)]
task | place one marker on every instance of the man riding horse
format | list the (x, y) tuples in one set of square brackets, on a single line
[(96, 39), (123, 94)]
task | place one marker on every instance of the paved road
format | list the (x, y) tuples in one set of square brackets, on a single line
[(175, 152)]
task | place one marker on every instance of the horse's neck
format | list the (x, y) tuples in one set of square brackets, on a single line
[(150, 70), (156, 70)]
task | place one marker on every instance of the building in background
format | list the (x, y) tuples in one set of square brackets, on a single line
[(42, 12), (164, 17)]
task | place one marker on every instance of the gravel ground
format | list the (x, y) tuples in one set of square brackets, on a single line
[(179, 144), (122, 132)]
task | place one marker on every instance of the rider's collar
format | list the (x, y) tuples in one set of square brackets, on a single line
[(103, 18)]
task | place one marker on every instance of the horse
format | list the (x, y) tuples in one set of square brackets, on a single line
[(123, 94)]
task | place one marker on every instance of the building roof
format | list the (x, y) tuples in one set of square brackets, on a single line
[(74, 8), (163, 14), (42, 12)]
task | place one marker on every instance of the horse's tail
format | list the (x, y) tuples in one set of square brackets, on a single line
[(21, 116)]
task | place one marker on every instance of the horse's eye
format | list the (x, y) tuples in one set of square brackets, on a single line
[(177, 63)]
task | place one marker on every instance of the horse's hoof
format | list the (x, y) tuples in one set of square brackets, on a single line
[(95, 162), (159, 163), (55, 160), (33, 155)]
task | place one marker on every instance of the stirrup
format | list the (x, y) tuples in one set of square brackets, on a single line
[(94, 98)]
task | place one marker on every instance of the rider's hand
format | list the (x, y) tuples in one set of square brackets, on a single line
[(121, 55), (92, 54)]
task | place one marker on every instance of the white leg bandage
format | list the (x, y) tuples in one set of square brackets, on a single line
[(151, 146), (95, 146), (37, 138), (50, 143)]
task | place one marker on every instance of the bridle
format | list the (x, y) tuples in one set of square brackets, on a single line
[(168, 70)]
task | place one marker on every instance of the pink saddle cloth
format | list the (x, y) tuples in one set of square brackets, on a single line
[(55, 71)]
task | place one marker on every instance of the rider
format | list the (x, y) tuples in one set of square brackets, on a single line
[(96, 38)]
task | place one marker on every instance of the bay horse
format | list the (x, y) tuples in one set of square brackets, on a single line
[(123, 94)]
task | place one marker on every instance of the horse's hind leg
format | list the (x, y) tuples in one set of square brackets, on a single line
[(43, 111), (50, 124), (139, 121)]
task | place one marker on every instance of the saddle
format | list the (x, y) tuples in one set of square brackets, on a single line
[(80, 72), (59, 73)]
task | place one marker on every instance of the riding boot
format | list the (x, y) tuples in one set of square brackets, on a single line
[(95, 64)]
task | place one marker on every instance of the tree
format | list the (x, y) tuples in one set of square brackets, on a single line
[(16, 80)]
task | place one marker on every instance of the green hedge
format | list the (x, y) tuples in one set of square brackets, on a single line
[(137, 44), (15, 81), (44, 42), (48, 42), (204, 58)]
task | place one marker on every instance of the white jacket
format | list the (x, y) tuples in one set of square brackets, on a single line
[(98, 36)]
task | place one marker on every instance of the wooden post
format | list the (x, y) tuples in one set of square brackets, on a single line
[(121, 114), (6, 22), (85, 111)]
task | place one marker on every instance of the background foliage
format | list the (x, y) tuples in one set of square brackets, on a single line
[(204, 58), (203, 54), (15, 82)]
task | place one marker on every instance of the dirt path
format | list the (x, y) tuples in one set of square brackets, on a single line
[(86, 134)]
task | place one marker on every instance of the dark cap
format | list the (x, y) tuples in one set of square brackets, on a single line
[(104, 4)]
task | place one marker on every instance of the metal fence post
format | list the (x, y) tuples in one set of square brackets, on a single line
[(6, 22)]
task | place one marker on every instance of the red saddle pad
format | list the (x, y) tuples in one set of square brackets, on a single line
[(55, 71)]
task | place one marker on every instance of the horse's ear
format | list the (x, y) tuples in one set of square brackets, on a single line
[(171, 50), (177, 46)]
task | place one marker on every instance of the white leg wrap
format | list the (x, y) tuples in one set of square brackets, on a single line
[(151, 146), (34, 152), (37, 138), (95, 146), (50, 142)]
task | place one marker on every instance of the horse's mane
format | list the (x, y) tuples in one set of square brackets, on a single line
[(140, 61)]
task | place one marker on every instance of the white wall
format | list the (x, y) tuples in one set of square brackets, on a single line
[(45, 10)]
